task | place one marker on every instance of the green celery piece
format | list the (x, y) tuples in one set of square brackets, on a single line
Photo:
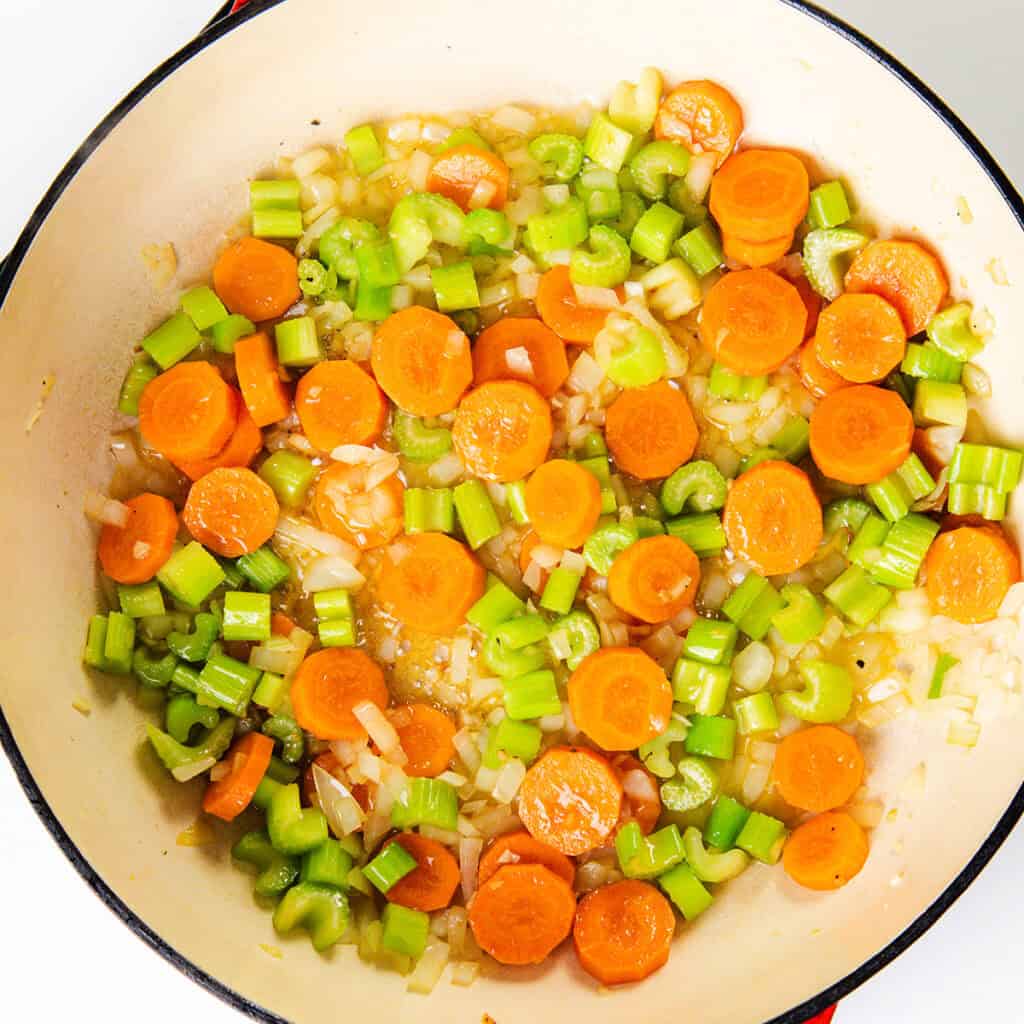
[(195, 646), (186, 763), (276, 871), (182, 714), (711, 865), (287, 731), (293, 829), (320, 909), (827, 695), (823, 251)]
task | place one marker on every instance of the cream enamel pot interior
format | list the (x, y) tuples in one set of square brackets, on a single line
[(171, 164)]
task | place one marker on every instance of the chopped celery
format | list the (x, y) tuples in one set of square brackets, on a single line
[(824, 250)]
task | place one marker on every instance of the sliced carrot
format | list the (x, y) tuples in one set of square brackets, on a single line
[(760, 194), (620, 697), (755, 254), (559, 308), (521, 913), (428, 582), (816, 376), (773, 518), (860, 434), (364, 518), (570, 799), (248, 760), (432, 883), (259, 377), (968, 572), (243, 446), (753, 321), (329, 684), (860, 337), (641, 800), (470, 176), (188, 412), (502, 430), (426, 737), (281, 624), (231, 511), (655, 578), (904, 273), (135, 552), (819, 768), (521, 348), (522, 848), (812, 303), (258, 279), (339, 403), (421, 359), (825, 852), (623, 931), (651, 431), (331, 764), (563, 501), (702, 116)]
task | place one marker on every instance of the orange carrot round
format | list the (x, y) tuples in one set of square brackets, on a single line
[(620, 698), (816, 376), (521, 348), (339, 403), (819, 768), (259, 379), (826, 852), (248, 760), (563, 501), (623, 932), (651, 431), (502, 430), (968, 572), (570, 799), (329, 684), (258, 279), (365, 519), (522, 848), (753, 321), (760, 194), (905, 274), (421, 359), (559, 308), (281, 624), (773, 518), (428, 582), (860, 434), (426, 737), (135, 552), (231, 511), (432, 883), (188, 412), (654, 579), (755, 254), (521, 913), (860, 337), (702, 116), (470, 176), (243, 446), (641, 799)]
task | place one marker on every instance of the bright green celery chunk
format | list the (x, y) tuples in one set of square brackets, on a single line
[(490, 226), (228, 683), (532, 695), (183, 713), (829, 207), (827, 695), (803, 618), (608, 262), (455, 286), (634, 107), (264, 569), (390, 866), (497, 605), (277, 223), (792, 442), (515, 499), (462, 137), (605, 543), (321, 910), (297, 342), (711, 736), (893, 495), (429, 510), (866, 546), (655, 232), (275, 194), (281, 772), (186, 763), (725, 823), (337, 245), (950, 332), (698, 485), (845, 513), (655, 163), (723, 383), (328, 864), (998, 468), (315, 278), (581, 635), (517, 739), (196, 644), (701, 685), (110, 643), (756, 713), (202, 307), (560, 155), (287, 732), (757, 456), (153, 629), (421, 219), (710, 641), (377, 264), (710, 865), (701, 247), (931, 363), (521, 631), (293, 829), (426, 802), (333, 604), (633, 359), (289, 476), (405, 931), (696, 783), (246, 616), (858, 596), (939, 403), (976, 499), (903, 551), (152, 668), (191, 574), (632, 209), (171, 341), (271, 691), (752, 606), (418, 442), (560, 591), (607, 144), (824, 250), (656, 754), (365, 149), (140, 600), (686, 891), (558, 230), (598, 188), (762, 837), (476, 513), (643, 856), (337, 633), (276, 871), (943, 664), (229, 330), (599, 467), (139, 374), (703, 532)]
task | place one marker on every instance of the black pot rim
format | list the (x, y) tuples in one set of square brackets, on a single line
[(221, 25)]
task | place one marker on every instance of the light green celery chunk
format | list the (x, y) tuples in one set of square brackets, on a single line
[(634, 107), (711, 865), (827, 695)]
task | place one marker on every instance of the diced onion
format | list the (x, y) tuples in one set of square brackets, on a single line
[(573, 561), (514, 119), (495, 821), (340, 807), (596, 298), (509, 779), (963, 734), (185, 772), (483, 689), (586, 375), (295, 532), (380, 730), (470, 848), (534, 577), (639, 786), (446, 470), (466, 747), (101, 509), (440, 835), (752, 667), (755, 782), (462, 648), (699, 174), (518, 360), (429, 968), (465, 973), (976, 381), (546, 555), (330, 571), (456, 921)]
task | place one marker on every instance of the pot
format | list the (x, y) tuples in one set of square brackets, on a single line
[(171, 164)]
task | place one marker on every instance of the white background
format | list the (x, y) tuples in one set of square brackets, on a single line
[(63, 65)]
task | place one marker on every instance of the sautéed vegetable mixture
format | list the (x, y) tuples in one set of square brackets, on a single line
[(524, 528)]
